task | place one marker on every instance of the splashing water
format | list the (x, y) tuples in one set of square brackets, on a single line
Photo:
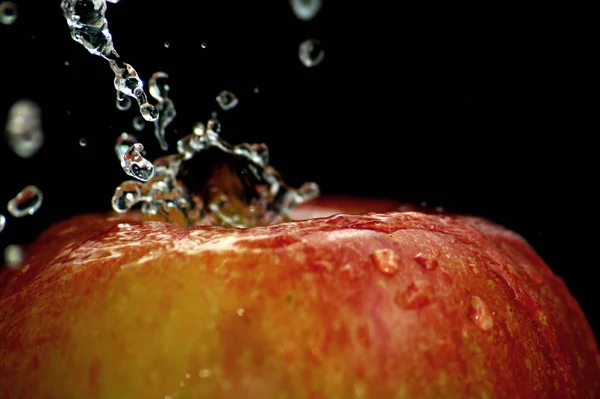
[(311, 52), (159, 89), (227, 100), (8, 12), (240, 190), (306, 10), (124, 141), (2, 222), (27, 202), (135, 165), (89, 27), (23, 128)]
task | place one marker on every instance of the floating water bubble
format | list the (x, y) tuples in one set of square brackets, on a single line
[(256, 90), (13, 256), (480, 314), (27, 202), (2, 222), (123, 103), (227, 100), (167, 44), (8, 12), (311, 52), (139, 123), (82, 142), (159, 89), (135, 165), (306, 9), (24, 128), (124, 141), (67, 63), (89, 27), (203, 45)]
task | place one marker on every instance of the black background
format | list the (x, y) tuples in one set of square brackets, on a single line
[(482, 110)]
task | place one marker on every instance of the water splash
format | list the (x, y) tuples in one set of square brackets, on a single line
[(227, 100), (239, 188), (2, 222), (124, 141), (89, 27), (159, 89), (306, 10), (8, 12), (27, 202), (24, 128), (311, 53), (135, 165)]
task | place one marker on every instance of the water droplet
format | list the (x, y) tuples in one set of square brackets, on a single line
[(27, 202), (167, 44), (240, 311), (227, 100), (67, 63), (135, 165), (386, 260), (256, 90), (127, 195), (159, 89), (139, 123), (8, 12), (2, 222), (311, 52), (480, 314), (414, 297), (82, 142), (124, 141), (306, 9), (123, 103), (204, 373), (203, 45), (13, 256), (427, 261), (23, 128)]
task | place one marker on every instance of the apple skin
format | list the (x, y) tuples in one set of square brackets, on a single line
[(378, 305)]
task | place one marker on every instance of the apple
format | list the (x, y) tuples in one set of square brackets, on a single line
[(386, 304)]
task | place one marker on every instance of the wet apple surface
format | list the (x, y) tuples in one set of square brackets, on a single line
[(382, 304)]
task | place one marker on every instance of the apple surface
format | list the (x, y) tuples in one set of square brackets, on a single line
[(382, 304)]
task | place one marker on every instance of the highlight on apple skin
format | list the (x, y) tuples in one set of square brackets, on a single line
[(371, 305)]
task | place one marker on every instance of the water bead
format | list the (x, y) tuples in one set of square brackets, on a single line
[(27, 202), (306, 10), (311, 53), (227, 100), (23, 128), (8, 12)]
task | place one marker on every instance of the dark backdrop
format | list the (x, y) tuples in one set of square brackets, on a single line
[(478, 110)]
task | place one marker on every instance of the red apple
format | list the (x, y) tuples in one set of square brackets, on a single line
[(378, 305)]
